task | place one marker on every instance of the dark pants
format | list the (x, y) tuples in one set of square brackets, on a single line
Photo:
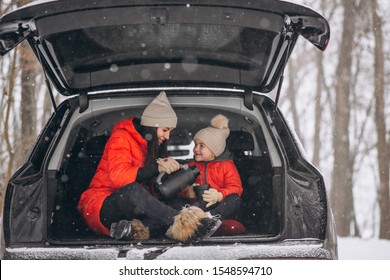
[(135, 202), (227, 208)]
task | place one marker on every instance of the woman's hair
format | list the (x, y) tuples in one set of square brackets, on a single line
[(154, 150)]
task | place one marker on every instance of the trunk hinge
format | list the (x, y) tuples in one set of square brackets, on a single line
[(83, 102), (248, 98), (281, 78)]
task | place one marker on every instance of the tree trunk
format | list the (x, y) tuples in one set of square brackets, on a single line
[(28, 105), (7, 122), (341, 192), (380, 121), (318, 110), (8, 103)]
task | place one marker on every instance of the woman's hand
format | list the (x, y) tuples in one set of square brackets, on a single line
[(212, 196), (190, 191), (167, 165)]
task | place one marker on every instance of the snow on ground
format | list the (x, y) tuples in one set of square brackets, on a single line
[(351, 248)]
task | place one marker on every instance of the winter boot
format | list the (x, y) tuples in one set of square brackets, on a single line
[(129, 230), (192, 223), (208, 226)]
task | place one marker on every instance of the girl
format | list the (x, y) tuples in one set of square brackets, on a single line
[(217, 171)]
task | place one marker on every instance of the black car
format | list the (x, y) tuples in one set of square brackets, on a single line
[(110, 59)]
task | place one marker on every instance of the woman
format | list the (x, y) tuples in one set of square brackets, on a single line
[(120, 201)]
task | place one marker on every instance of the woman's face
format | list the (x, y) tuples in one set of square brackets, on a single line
[(163, 134), (202, 152)]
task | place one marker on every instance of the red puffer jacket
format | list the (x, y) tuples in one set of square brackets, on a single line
[(124, 153), (220, 175)]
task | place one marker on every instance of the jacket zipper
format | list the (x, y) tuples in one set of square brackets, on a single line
[(205, 173)]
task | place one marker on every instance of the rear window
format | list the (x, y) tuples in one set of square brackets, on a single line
[(98, 47), (121, 45)]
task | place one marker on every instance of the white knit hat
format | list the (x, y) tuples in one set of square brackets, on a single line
[(214, 136), (159, 113)]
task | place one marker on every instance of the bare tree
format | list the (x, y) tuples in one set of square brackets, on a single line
[(7, 102), (6, 106), (7, 123), (322, 90), (28, 65), (380, 121), (318, 109), (341, 192)]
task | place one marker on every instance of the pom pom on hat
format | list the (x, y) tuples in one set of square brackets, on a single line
[(159, 113), (214, 136), (219, 121)]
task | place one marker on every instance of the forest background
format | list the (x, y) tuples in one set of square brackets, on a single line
[(337, 101)]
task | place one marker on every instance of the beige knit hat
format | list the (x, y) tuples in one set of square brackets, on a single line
[(159, 113), (214, 136)]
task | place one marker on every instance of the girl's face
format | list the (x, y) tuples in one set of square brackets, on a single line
[(202, 152), (163, 134)]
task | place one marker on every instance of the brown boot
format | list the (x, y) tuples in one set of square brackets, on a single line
[(139, 231), (186, 224), (129, 230)]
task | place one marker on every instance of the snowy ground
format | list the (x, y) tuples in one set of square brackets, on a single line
[(363, 249)]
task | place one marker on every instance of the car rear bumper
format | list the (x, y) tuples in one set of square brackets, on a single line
[(292, 249)]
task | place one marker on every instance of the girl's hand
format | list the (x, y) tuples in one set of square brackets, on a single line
[(212, 196)]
